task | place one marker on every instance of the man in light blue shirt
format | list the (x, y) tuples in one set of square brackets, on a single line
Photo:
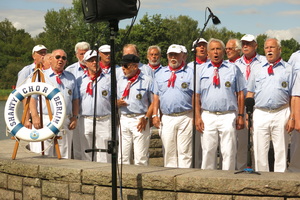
[(173, 97), (134, 102), (219, 91), (270, 84)]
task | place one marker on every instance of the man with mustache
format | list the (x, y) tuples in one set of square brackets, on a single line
[(219, 107), (174, 98), (270, 84), (134, 99), (153, 56), (250, 59)]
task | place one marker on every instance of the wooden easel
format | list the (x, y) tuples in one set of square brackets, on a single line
[(41, 78)]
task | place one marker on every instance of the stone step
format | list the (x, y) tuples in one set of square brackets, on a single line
[(155, 152)]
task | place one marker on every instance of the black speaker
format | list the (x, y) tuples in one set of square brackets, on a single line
[(106, 10)]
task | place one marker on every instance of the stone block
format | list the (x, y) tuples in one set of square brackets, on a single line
[(155, 152), (155, 143), (59, 172), (19, 167), (77, 196), (194, 196), (88, 189), (75, 187), (36, 182), (55, 189), (105, 193), (3, 180), (158, 162), (158, 195), (32, 193), (6, 194), (15, 182), (19, 196), (258, 198)]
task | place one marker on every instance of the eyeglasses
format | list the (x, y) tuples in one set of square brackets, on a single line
[(126, 65), (230, 48), (62, 57)]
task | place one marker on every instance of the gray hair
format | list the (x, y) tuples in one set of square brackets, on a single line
[(82, 46), (215, 40), (154, 47)]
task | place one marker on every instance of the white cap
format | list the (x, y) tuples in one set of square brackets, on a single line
[(183, 49), (249, 38), (89, 54), (38, 48), (104, 48), (199, 40), (174, 48)]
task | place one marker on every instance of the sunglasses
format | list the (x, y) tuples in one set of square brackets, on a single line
[(125, 65), (62, 57)]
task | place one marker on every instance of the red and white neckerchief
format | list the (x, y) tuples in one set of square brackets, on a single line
[(153, 67), (248, 62), (83, 67), (233, 61), (171, 81), (57, 75), (200, 61), (104, 68), (130, 81), (216, 78), (270, 68), (89, 88)]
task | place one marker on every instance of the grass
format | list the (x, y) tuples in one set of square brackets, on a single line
[(4, 93)]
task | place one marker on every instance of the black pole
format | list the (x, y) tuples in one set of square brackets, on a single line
[(194, 96), (113, 145), (95, 102)]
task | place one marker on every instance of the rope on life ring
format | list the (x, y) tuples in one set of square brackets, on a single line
[(13, 123)]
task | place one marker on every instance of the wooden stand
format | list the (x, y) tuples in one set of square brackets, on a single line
[(40, 78)]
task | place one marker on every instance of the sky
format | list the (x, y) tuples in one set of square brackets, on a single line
[(276, 18)]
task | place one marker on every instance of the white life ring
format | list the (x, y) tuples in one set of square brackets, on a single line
[(13, 123)]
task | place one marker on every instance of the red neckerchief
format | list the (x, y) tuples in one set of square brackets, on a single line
[(171, 81), (104, 67), (216, 78), (89, 88), (200, 61), (83, 67), (270, 68), (130, 81), (153, 67), (58, 74), (233, 61), (248, 62)]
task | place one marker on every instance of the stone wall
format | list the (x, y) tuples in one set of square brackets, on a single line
[(31, 176)]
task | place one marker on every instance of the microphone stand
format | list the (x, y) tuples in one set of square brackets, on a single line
[(248, 169), (113, 143), (194, 96)]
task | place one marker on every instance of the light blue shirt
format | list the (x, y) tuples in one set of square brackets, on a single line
[(223, 97), (75, 69), (87, 101), (295, 60), (174, 99), (147, 70), (139, 98), (296, 87), (24, 73), (271, 91), (68, 88)]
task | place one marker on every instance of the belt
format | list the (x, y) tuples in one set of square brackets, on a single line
[(98, 118), (219, 112), (179, 113), (274, 110), (133, 115)]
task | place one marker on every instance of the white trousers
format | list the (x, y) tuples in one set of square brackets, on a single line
[(177, 140), (129, 136), (76, 140), (65, 144), (102, 134), (267, 126), (218, 127), (295, 152)]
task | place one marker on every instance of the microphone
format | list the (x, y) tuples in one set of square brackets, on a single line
[(249, 103), (215, 19)]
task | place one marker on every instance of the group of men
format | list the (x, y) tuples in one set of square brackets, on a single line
[(168, 98)]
